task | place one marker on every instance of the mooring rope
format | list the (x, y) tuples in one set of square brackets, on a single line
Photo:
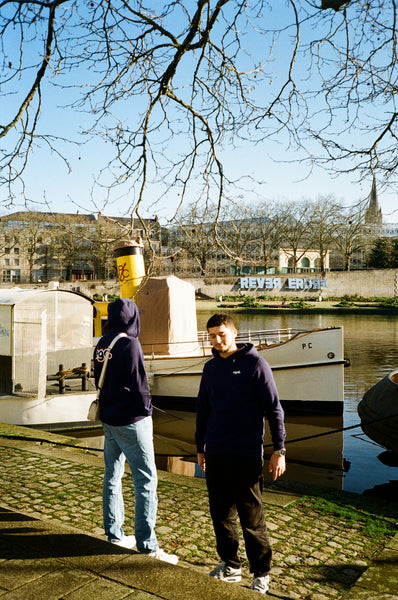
[(287, 442)]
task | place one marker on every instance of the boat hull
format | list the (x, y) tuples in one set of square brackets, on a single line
[(378, 411), (308, 371), (53, 413)]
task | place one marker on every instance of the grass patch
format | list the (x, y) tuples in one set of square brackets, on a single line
[(373, 526)]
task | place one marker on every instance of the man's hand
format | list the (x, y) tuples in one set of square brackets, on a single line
[(277, 466), (202, 461)]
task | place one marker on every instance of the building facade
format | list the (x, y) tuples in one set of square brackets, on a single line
[(38, 246)]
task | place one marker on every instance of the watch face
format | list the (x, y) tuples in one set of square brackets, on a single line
[(281, 452)]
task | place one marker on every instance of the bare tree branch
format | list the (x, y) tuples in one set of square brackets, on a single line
[(171, 87)]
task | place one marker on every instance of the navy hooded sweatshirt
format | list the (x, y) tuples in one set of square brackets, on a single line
[(235, 395), (125, 397)]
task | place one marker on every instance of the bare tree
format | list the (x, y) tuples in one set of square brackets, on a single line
[(351, 235), (268, 226), (100, 241), (32, 237), (26, 232), (237, 235), (69, 246), (171, 85), (326, 215), (194, 234), (297, 229)]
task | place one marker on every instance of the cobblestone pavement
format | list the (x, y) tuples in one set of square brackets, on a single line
[(321, 546)]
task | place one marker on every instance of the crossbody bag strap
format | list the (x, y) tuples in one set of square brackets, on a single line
[(107, 352)]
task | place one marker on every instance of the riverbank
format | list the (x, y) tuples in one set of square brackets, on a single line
[(327, 544), (295, 307)]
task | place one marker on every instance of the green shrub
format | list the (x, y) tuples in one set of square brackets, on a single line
[(249, 302)]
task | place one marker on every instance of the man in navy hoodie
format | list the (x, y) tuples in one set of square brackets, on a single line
[(126, 415), (237, 392)]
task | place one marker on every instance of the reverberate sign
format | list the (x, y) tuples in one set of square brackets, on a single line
[(290, 283)]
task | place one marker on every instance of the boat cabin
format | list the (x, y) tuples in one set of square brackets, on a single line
[(41, 329)]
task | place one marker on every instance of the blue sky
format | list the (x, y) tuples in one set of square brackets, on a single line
[(50, 184)]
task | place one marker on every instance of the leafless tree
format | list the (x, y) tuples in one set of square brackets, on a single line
[(268, 227), (237, 235), (297, 229), (28, 233), (325, 218), (32, 236), (351, 235), (68, 246), (194, 235), (172, 85), (100, 240)]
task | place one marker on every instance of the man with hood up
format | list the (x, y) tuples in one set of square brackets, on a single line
[(126, 415), (237, 392)]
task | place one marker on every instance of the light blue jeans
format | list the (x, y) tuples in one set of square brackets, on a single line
[(134, 443)]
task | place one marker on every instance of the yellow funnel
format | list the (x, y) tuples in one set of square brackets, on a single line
[(130, 267)]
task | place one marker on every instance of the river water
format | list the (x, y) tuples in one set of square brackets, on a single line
[(346, 460)]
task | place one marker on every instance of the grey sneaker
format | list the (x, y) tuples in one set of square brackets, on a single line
[(127, 541), (260, 584), (162, 555), (226, 573)]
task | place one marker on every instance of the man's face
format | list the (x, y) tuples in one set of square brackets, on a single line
[(222, 338)]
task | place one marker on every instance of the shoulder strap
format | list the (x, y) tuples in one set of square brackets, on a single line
[(113, 342), (107, 352)]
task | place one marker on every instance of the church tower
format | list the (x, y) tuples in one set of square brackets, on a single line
[(373, 214)]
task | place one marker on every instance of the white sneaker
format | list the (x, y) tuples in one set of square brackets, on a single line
[(127, 541), (226, 573), (162, 555), (260, 584)]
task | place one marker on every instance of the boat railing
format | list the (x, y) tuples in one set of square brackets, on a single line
[(202, 345), (258, 337)]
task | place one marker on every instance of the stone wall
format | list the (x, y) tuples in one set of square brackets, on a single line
[(375, 283), (368, 284)]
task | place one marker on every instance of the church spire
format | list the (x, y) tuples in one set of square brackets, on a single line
[(373, 214)]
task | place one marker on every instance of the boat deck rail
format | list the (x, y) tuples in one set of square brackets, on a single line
[(202, 345), (264, 337)]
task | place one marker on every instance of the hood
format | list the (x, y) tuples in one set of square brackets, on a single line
[(123, 316), (243, 349)]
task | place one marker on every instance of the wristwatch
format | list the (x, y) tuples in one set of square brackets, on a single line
[(280, 452)]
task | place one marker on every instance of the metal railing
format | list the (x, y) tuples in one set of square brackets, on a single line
[(258, 337)]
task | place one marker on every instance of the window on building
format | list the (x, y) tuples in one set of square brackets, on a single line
[(16, 250), (11, 276)]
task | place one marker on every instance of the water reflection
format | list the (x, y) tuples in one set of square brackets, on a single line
[(315, 446), (316, 457)]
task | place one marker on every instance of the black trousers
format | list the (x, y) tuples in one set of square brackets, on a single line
[(235, 485)]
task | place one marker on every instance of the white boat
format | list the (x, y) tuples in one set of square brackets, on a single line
[(40, 330), (308, 368), (46, 338)]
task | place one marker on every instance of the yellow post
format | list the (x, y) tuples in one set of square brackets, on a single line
[(130, 267)]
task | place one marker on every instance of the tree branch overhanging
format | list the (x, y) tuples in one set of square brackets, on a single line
[(171, 89)]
